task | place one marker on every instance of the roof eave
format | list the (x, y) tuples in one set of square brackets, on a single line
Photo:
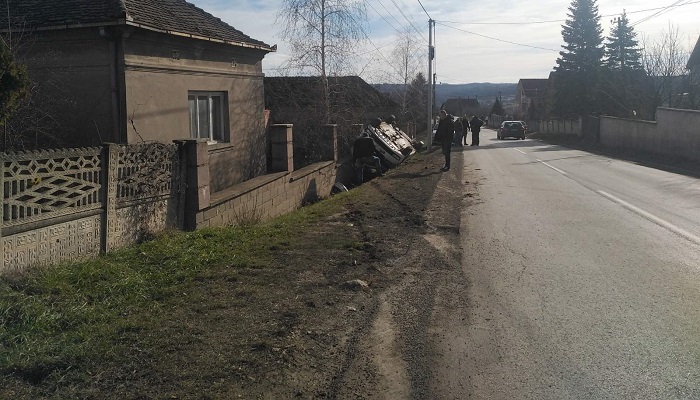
[(71, 26), (209, 39), (130, 22)]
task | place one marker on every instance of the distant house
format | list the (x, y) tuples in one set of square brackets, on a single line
[(694, 64), (298, 100), (529, 91), (461, 107), (141, 70)]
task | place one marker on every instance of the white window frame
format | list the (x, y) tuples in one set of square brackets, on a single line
[(212, 136)]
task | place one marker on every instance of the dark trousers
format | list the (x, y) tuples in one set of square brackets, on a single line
[(475, 138), (447, 150)]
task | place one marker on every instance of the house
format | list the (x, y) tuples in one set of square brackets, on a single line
[(461, 107), (529, 91), (694, 65), (298, 100), (148, 70)]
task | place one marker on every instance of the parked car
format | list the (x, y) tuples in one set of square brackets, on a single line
[(514, 129)]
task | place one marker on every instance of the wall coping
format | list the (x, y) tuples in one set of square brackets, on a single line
[(680, 110), (243, 188), (253, 184), (309, 169), (629, 119)]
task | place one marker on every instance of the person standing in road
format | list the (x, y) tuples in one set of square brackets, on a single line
[(459, 132), (465, 123), (445, 134), (475, 125)]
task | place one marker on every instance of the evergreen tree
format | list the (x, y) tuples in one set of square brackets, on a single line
[(497, 108), (624, 82), (14, 83), (577, 73), (621, 50)]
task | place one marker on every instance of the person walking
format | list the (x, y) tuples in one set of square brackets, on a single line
[(445, 134), (465, 124), (475, 125), (459, 132)]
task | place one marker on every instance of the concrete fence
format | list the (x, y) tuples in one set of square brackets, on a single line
[(68, 204), (674, 133), (557, 126)]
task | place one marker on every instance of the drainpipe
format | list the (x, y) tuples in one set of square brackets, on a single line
[(113, 38)]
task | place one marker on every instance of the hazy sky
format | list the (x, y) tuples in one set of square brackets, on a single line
[(472, 43)]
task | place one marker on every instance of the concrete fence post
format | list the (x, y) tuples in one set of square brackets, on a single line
[(197, 189), (282, 148), (2, 206), (110, 165)]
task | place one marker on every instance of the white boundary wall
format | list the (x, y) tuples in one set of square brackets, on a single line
[(675, 133)]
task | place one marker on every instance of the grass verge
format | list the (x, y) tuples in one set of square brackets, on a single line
[(60, 325)]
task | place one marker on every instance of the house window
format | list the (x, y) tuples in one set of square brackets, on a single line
[(208, 112)]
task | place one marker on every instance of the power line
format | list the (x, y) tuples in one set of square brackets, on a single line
[(398, 72), (387, 11), (426, 13), (499, 40), (563, 20), (385, 20), (408, 20), (663, 10)]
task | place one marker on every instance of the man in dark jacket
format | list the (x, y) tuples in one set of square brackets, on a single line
[(475, 125), (465, 123), (362, 155), (445, 135)]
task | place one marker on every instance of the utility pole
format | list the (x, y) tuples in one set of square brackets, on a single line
[(618, 20), (431, 57)]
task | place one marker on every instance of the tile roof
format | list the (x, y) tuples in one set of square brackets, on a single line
[(304, 91), (170, 16), (534, 84)]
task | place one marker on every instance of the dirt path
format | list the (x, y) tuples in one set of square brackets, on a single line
[(393, 357)]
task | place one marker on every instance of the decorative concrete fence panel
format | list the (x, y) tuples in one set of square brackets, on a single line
[(148, 190), (63, 205), (51, 206)]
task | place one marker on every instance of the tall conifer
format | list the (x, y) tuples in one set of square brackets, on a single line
[(577, 73), (621, 49)]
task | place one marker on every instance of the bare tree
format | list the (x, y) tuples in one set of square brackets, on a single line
[(665, 61), (406, 54), (322, 35)]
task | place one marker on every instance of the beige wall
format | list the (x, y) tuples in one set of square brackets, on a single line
[(675, 133), (71, 69), (157, 86)]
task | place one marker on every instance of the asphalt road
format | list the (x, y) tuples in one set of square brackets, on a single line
[(583, 280)]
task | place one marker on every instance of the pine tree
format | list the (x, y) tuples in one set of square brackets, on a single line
[(624, 83), (621, 50), (578, 68)]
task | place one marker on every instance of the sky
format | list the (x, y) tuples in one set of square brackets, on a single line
[(499, 41)]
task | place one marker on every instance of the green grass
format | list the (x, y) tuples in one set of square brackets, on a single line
[(63, 319)]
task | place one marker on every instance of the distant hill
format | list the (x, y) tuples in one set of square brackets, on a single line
[(485, 92)]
